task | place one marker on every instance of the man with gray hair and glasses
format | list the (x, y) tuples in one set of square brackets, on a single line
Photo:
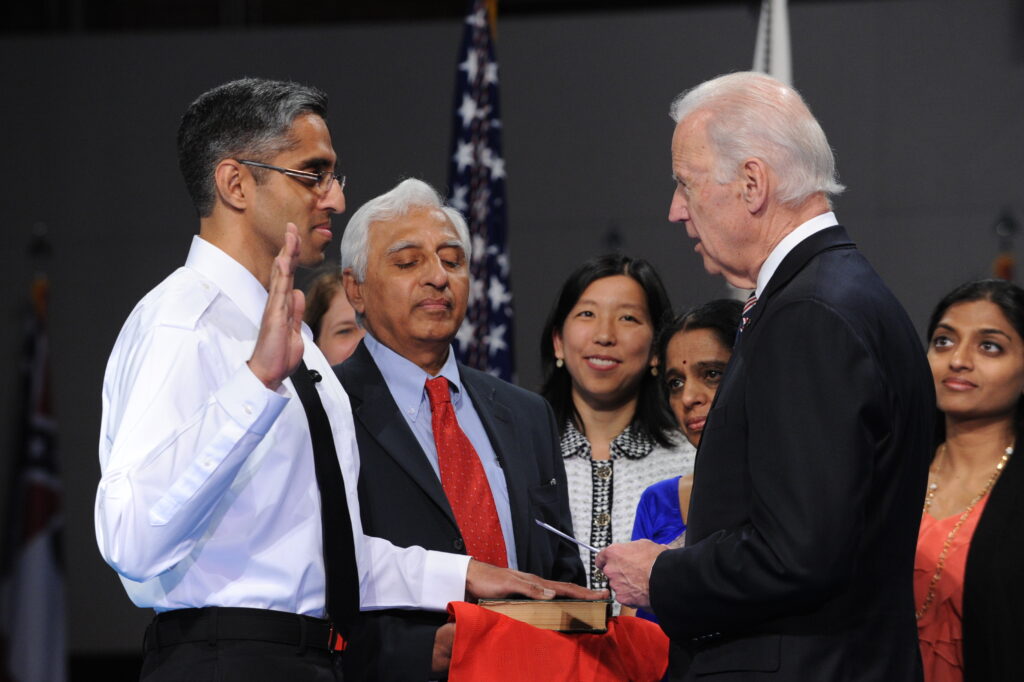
[(228, 498), (803, 520), (453, 459)]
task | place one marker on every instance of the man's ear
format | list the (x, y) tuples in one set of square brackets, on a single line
[(756, 180), (228, 178), (354, 291)]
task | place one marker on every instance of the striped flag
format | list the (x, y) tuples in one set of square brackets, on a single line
[(32, 592), (477, 188)]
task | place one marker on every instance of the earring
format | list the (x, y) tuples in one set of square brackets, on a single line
[(654, 370), (559, 363)]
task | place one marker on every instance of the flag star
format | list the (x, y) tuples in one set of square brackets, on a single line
[(464, 337), (496, 340), (491, 73), (458, 199), (471, 65), (464, 155), (476, 290), (480, 202), (467, 111), (479, 249), (497, 167), (502, 259), (478, 18), (497, 294)]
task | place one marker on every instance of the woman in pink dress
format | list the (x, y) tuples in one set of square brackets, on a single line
[(969, 568)]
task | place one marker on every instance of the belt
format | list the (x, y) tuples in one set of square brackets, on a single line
[(213, 624)]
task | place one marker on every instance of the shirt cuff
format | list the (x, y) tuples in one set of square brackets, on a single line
[(444, 580), (254, 406)]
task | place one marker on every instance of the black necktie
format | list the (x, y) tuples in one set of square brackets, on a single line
[(341, 572)]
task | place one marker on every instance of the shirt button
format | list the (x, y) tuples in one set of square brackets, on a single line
[(247, 407), (603, 519), (459, 545), (604, 472)]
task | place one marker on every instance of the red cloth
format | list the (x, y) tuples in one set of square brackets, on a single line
[(464, 481), (493, 647)]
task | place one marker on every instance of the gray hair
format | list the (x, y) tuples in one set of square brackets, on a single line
[(247, 119), (406, 196), (754, 115)]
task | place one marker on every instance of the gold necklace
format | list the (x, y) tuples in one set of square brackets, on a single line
[(948, 543)]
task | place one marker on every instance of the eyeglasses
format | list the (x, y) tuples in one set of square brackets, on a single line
[(321, 181)]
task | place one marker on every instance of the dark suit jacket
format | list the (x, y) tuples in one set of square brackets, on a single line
[(401, 500), (994, 583), (808, 486)]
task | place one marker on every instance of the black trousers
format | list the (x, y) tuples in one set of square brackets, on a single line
[(238, 645)]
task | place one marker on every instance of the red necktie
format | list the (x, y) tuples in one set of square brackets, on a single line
[(464, 481)]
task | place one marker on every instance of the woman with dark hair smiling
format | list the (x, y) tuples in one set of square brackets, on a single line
[(618, 435), (969, 570)]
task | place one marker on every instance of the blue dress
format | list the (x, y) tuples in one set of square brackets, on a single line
[(658, 518)]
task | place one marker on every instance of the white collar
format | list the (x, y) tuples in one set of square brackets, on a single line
[(788, 243), (230, 276)]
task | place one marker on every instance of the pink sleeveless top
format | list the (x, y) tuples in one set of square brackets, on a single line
[(940, 629)]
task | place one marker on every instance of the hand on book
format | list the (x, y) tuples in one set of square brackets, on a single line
[(484, 581), (628, 567)]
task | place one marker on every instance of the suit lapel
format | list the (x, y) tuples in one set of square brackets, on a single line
[(498, 421), (795, 261), (375, 408)]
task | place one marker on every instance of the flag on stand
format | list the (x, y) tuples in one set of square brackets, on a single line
[(477, 188), (772, 53), (32, 592)]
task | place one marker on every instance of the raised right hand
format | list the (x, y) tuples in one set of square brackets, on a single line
[(278, 348)]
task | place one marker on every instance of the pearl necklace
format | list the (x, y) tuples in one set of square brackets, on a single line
[(948, 543)]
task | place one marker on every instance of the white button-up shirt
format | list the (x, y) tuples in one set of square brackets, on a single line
[(208, 495)]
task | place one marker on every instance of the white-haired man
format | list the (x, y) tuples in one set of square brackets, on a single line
[(798, 562), (471, 482)]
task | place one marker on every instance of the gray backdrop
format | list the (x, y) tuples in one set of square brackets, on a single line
[(921, 100)]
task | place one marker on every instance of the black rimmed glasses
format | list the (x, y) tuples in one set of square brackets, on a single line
[(321, 181)]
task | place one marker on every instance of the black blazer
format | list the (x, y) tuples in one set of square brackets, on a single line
[(808, 486), (994, 583), (401, 500)]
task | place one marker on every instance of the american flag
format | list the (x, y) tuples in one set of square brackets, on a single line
[(477, 182), (32, 592)]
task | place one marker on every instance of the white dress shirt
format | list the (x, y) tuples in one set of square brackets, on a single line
[(208, 495), (788, 243)]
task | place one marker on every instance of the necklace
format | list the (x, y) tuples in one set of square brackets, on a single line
[(948, 543)]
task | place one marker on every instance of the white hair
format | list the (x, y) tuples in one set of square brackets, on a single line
[(409, 194), (754, 115)]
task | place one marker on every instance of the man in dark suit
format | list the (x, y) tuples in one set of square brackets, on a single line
[(807, 493), (406, 272)]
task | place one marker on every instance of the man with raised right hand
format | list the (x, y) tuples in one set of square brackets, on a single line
[(228, 497)]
